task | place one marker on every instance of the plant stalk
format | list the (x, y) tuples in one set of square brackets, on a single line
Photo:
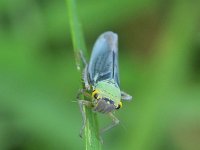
[(91, 131)]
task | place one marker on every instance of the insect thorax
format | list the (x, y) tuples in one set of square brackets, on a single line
[(109, 89)]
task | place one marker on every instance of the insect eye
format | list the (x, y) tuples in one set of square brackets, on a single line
[(119, 105), (96, 95)]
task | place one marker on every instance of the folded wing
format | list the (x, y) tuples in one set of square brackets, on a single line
[(104, 59)]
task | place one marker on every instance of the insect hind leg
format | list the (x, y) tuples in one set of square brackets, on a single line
[(83, 103), (84, 74), (115, 122), (83, 58), (85, 78)]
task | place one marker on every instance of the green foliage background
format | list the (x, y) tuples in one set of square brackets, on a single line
[(159, 51)]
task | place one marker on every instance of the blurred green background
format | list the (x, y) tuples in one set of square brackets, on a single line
[(159, 58)]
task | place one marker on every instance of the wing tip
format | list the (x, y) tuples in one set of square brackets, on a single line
[(111, 38), (110, 35)]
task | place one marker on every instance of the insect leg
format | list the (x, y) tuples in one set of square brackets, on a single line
[(83, 58), (84, 75), (115, 122), (125, 96), (84, 92), (85, 78), (81, 104)]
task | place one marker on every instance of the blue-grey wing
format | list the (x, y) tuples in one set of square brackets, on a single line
[(104, 59)]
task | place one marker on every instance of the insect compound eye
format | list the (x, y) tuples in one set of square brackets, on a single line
[(96, 95), (119, 105)]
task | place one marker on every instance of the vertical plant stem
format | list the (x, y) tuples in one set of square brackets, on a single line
[(91, 130)]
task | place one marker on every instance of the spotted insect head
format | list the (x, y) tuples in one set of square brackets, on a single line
[(105, 102)]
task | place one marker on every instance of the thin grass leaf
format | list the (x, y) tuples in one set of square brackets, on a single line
[(91, 129)]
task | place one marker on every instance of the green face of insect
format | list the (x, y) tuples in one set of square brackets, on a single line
[(108, 91)]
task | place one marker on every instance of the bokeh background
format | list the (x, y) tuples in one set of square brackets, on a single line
[(159, 58)]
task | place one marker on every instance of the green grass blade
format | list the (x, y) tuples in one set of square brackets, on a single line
[(91, 129)]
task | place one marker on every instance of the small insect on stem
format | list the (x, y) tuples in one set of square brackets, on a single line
[(102, 76)]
